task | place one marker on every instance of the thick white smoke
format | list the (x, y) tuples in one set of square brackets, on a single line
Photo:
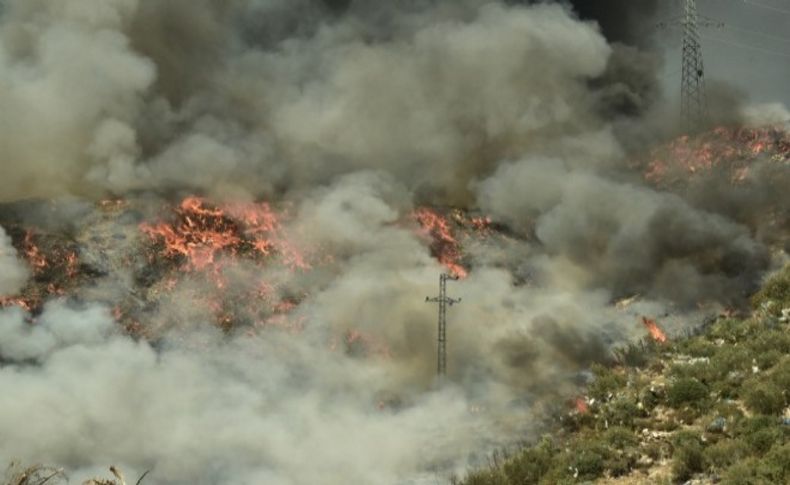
[(13, 273), (437, 102), (349, 121), (200, 410)]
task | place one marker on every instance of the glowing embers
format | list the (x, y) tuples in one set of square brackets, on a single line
[(581, 405), (444, 245), (203, 232), (733, 150), (655, 331), (54, 265), (215, 255)]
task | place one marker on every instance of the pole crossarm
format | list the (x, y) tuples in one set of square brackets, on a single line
[(443, 300)]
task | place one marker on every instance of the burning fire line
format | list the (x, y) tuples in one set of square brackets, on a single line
[(33, 254), (55, 270), (734, 149), (445, 247), (202, 233), (204, 239), (655, 331)]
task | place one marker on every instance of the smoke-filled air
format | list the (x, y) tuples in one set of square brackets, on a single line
[(221, 221)]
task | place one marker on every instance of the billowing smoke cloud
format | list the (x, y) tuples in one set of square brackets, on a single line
[(348, 114), (623, 21), (13, 273), (626, 237), (182, 101), (206, 411)]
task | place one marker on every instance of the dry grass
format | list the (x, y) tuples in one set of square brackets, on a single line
[(43, 475)]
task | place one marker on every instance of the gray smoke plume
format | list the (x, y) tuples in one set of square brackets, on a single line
[(191, 101), (13, 273), (349, 114)]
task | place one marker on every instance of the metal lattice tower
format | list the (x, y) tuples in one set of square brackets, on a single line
[(693, 100), (443, 300)]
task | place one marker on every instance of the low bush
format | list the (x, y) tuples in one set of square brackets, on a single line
[(687, 391), (775, 293), (761, 433), (763, 397), (725, 453), (606, 381), (688, 457), (531, 464)]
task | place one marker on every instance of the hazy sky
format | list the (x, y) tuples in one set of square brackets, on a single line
[(752, 51)]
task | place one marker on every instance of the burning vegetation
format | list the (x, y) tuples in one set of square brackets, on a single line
[(728, 152), (284, 182), (196, 245)]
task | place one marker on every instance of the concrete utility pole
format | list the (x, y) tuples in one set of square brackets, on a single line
[(443, 300)]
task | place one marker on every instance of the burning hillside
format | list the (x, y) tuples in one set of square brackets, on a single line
[(215, 249), (257, 269), (727, 152), (200, 245)]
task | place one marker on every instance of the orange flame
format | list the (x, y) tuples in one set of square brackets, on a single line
[(33, 254), (15, 301), (445, 246), (581, 405), (731, 149), (655, 331), (203, 232), (204, 239)]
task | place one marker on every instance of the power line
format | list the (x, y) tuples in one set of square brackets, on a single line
[(767, 7), (761, 34), (746, 46)]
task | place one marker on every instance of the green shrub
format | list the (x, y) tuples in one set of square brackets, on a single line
[(768, 358), (744, 473), (697, 347), (701, 371), (589, 462), (776, 464), (780, 375), (763, 397), (730, 330), (728, 410), (620, 438), (485, 477), (775, 290), (687, 391), (731, 359), (636, 354), (606, 381), (688, 457), (726, 452), (621, 412), (531, 464), (770, 340), (761, 433)]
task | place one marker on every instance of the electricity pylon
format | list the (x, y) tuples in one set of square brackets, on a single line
[(443, 300), (693, 98)]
